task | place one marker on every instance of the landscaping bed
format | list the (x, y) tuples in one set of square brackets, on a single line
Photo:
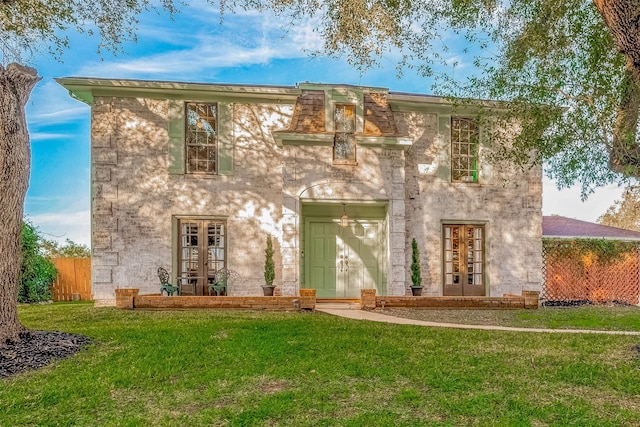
[(35, 349)]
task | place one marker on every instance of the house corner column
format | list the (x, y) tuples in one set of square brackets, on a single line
[(290, 245), (397, 229)]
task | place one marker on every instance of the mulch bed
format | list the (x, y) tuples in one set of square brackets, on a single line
[(35, 349)]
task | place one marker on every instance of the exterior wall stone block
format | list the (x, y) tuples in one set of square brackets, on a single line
[(101, 174), (106, 191), (102, 207), (397, 257), (104, 223), (104, 156), (101, 275), (398, 207), (101, 239), (101, 141), (105, 258), (397, 241)]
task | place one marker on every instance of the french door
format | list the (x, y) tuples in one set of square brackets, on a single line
[(464, 260), (343, 260), (201, 252)]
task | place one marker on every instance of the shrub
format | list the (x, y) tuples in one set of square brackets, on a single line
[(37, 273), (416, 279), (70, 249), (269, 267)]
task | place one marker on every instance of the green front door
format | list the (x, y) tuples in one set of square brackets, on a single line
[(321, 273), (343, 260)]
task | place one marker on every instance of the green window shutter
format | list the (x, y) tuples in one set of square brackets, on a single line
[(444, 139), (176, 137), (225, 139)]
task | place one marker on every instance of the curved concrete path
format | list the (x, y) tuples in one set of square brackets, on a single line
[(375, 316)]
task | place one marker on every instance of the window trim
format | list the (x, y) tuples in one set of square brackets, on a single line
[(352, 134), (475, 157), (215, 145)]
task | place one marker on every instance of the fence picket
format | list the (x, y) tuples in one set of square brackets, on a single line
[(74, 277)]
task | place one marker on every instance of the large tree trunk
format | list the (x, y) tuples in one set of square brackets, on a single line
[(624, 155), (622, 17), (16, 84)]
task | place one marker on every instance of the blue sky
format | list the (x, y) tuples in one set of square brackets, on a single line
[(247, 49)]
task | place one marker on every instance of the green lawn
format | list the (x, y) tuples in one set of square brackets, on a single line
[(241, 368)]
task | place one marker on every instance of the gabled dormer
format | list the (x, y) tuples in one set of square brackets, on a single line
[(345, 117)]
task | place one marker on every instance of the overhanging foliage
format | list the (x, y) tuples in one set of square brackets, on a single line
[(585, 250), (560, 67)]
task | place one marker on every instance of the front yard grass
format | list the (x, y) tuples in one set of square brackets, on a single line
[(242, 368)]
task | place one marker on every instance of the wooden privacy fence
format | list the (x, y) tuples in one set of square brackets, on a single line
[(73, 281)]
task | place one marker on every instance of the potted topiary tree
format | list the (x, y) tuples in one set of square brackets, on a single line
[(416, 280), (269, 269)]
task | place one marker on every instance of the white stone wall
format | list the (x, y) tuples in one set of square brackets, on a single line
[(508, 203), (134, 199)]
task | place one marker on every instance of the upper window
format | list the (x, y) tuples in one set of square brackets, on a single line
[(464, 150), (201, 138), (344, 144)]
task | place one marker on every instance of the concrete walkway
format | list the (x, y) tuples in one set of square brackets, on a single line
[(375, 316)]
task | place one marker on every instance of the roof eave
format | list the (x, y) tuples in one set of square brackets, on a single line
[(85, 89)]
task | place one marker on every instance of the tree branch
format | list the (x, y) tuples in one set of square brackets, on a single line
[(625, 150)]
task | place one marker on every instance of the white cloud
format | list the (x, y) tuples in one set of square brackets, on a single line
[(60, 226), (58, 114), (456, 61), (41, 136), (566, 202), (246, 41), (62, 218), (50, 104)]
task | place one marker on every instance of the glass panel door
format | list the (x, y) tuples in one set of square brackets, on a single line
[(201, 253), (463, 260)]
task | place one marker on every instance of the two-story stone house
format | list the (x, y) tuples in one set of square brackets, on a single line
[(193, 177)]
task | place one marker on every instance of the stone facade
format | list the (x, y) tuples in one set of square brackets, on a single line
[(281, 172)]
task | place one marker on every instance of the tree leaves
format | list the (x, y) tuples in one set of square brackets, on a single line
[(527, 54), (29, 25), (624, 213)]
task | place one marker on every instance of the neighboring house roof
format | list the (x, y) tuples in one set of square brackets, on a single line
[(563, 227)]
